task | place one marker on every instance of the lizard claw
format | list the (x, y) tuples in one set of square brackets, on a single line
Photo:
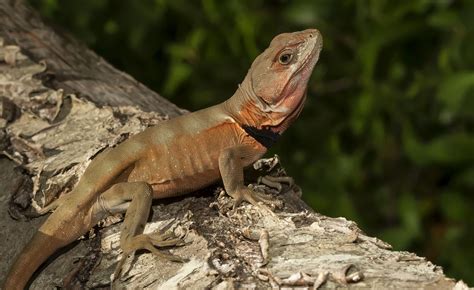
[(253, 197), (276, 181), (150, 242), (237, 201)]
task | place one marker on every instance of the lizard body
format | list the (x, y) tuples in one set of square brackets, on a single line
[(181, 155)]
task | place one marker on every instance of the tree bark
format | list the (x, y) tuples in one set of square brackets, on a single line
[(61, 104)]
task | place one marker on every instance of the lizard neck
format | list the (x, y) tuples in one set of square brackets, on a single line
[(245, 108)]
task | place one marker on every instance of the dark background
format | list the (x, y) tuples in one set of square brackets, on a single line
[(387, 134)]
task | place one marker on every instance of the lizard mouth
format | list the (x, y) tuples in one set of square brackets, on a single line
[(282, 126), (311, 59), (313, 55), (301, 75)]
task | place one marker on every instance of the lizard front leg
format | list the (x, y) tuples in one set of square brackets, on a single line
[(135, 198), (231, 167)]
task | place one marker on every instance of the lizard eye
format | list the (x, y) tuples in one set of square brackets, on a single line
[(285, 57)]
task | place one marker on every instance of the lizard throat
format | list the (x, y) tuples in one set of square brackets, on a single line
[(264, 136)]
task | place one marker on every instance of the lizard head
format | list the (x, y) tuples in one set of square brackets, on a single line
[(275, 86)]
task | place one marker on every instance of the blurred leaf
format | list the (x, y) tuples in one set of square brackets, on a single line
[(465, 178), (398, 237), (369, 50), (453, 206), (449, 149), (410, 216), (178, 74), (445, 19), (453, 89), (111, 27)]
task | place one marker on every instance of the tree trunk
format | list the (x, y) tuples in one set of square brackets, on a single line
[(61, 104)]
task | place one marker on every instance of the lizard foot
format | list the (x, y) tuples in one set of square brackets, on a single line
[(276, 181), (253, 197), (150, 242)]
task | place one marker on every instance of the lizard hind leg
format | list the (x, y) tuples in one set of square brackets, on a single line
[(135, 198), (53, 205)]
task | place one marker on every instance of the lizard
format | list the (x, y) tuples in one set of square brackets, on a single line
[(181, 155)]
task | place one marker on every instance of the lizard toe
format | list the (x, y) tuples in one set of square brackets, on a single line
[(255, 198), (150, 242), (276, 181)]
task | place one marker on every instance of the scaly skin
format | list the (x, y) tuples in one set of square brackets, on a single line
[(182, 155)]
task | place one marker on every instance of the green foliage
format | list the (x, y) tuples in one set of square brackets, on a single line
[(386, 137)]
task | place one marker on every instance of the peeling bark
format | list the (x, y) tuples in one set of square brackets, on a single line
[(51, 126), (71, 66)]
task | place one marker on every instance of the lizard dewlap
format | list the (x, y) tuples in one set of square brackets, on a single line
[(181, 155)]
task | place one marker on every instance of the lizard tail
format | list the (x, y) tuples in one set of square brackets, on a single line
[(62, 227), (40, 247)]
